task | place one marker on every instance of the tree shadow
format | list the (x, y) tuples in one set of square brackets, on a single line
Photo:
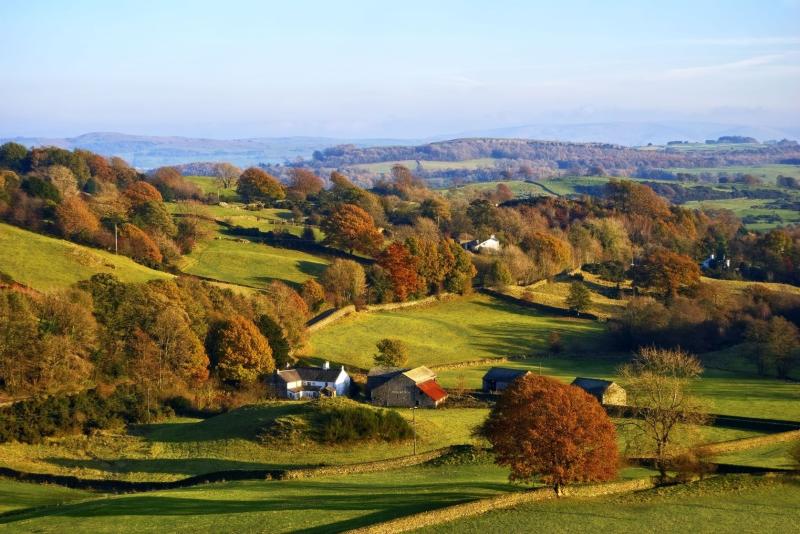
[(189, 466)]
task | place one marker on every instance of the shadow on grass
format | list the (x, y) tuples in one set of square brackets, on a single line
[(189, 466)]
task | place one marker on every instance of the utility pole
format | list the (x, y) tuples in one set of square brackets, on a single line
[(116, 247), (414, 426)]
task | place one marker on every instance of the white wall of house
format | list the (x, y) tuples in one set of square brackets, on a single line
[(341, 385)]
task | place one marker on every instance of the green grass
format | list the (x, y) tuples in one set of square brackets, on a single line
[(768, 173), (776, 456), (247, 263), (520, 188), (720, 504), (744, 207), (208, 184), (386, 166), (457, 330), (47, 264), (19, 495)]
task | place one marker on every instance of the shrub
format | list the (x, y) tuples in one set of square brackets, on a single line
[(345, 422)]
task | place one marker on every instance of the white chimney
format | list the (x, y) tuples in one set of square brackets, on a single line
[(326, 365)]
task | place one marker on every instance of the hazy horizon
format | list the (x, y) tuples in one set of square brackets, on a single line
[(410, 71)]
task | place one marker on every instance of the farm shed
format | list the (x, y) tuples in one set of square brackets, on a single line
[(391, 386), (605, 391), (497, 379)]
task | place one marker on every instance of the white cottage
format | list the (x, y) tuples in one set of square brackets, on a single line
[(476, 245), (311, 382)]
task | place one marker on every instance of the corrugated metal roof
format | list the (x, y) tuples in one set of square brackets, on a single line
[(504, 373), (420, 374), (433, 390), (592, 385)]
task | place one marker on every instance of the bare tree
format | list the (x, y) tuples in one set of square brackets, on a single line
[(227, 174), (664, 410)]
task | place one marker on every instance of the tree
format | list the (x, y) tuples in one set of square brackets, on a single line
[(14, 156), (303, 182), (550, 254), (137, 244), (240, 353), (435, 208), (140, 192), (314, 294), (255, 184), (345, 281), (666, 272), (579, 298), (173, 186), (459, 279), (276, 338), (351, 228), (499, 275), (658, 385), (391, 353), (63, 179), (227, 175), (76, 220), (401, 268), (776, 343), (541, 427)]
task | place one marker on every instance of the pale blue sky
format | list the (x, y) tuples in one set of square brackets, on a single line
[(401, 69)]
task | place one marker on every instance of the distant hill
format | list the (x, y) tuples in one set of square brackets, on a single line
[(146, 152)]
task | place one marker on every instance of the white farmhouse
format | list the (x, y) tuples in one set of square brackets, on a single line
[(311, 382), (476, 245)]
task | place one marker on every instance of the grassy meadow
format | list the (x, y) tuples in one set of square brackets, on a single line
[(457, 330), (385, 167), (768, 173), (48, 264), (750, 207), (720, 504)]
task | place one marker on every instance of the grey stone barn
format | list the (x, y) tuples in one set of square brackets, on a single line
[(394, 386), (605, 391), (497, 379)]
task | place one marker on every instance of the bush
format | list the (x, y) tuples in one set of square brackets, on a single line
[(340, 422)]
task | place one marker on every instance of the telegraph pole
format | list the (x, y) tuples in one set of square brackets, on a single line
[(414, 426), (116, 247)]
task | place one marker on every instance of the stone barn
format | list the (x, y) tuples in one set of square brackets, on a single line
[(497, 379), (605, 391), (392, 386)]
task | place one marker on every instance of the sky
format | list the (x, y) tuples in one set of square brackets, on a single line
[(411, 69)]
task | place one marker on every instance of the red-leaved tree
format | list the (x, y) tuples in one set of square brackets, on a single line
[(402, 269), (542, 428)]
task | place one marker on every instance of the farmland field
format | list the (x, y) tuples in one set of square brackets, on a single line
[(386, 166), (18, 495), (451, 331), (518, 187), (47, 264), (724, 504), (247, 263), (744, 207), (768, 173)]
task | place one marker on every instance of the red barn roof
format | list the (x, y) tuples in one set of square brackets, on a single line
[(433, 390)]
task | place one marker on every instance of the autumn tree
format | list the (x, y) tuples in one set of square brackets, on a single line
[(140, 192), (401, 268), (227, 174), (270, 329), (314, 294), (666, 272), (138, 245), (345, 281), (541, 427), (255, 184), (391, 353), (303, 183), (459, 278), (288, 308), (658, 385), (775, 343), (435, 208), (173, 186), (76, 220), (240, 353), (550, 254), (499, 275), (579, 298), (351, 228)]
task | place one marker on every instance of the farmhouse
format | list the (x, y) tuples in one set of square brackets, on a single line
[(477, 245), (393, 386), (310, 382), (605, 391), (498, 379)]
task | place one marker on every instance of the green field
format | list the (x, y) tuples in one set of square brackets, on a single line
[(518, 187), (47, 264), (385, 167), (247, 263), (457, 330), (208, 184), (768, 173), (19, 495), (744, 207), (724, 504)]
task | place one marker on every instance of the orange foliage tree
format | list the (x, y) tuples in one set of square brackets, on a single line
[(141, 192), (541, 427), (303, 182), (134, 242), (75, 220), (351, 228), (255, 184), (402, 269), (240, 353), (666, 272)]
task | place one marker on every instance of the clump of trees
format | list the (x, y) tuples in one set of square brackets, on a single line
[(391, 353), (543, 429)]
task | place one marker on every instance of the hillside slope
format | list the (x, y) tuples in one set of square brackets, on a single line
[(46, 263)]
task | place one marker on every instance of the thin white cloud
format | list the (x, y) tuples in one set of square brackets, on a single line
[(743, 41), (733, 66)]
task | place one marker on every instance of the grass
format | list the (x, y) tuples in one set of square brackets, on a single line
[(47, 264), (19, 495), (776, 456), (719, 504), (768, 173), (520, 188), (248, 263), (208, 184), (182, 447), (555, 294), (461, 329), (750, 207), (385, 167)]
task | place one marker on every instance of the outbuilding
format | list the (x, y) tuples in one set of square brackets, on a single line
[(392, 386), (605, 391), (497, 379)]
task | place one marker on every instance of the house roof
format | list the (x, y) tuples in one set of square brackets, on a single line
[(420, 374), (592, 385), (312, 374), (432, 389), (382, 371), (504, 374)]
